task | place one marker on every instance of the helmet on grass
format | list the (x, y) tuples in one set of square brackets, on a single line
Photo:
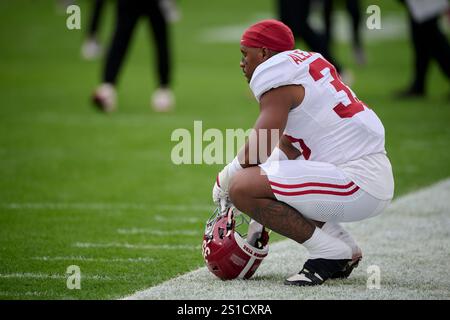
[(227, 253)]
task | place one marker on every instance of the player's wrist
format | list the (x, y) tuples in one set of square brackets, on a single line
[(224, 176)]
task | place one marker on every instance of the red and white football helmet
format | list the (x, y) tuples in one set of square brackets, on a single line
[(229, 255)]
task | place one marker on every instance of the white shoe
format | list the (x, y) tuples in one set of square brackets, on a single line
[(163, 100), (105, 97), (91, 49), (170, 10)]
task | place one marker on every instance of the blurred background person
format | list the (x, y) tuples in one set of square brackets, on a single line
[(61, 6), (429, 42), (91, 48), (354, 10), (127, 16), (294, 14)]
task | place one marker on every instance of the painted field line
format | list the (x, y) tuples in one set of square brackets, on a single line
[(183, 219), (103, 206), (162, 233), (73, 206), (135, 246), (88, 259), (26, 294), (191, 207), (29, 275), (409, 242)]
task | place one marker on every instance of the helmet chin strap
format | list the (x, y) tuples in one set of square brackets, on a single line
[(255, 229)]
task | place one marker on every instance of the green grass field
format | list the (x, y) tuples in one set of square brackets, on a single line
[(100, 191)]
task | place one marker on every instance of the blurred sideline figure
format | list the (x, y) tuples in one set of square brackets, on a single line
[(91, 48), (295, 15), (127, 15), (429, 42), (354, 10), (61, 6)]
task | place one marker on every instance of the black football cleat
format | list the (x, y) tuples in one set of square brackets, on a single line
[(316, 271), (345, 272)]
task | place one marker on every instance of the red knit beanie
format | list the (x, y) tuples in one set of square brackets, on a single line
[(271, 34)]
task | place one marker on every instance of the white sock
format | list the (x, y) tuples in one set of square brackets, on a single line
[(334, 229), (322, 245)]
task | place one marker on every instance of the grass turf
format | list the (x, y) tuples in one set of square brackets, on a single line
[(70, 177)]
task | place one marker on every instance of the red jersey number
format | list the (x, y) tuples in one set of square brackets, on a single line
[(302, 147), (343, 111)]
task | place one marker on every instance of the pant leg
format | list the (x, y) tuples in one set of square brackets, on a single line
[(422, 55), (295, 14), (355, 14), (292, 14), (95, 17), (328, 20), (160, 32), (126, 17), (438, 44)]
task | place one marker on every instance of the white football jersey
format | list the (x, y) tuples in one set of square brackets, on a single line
[(330, 125)]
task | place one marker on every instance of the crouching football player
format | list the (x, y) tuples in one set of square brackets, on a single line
[(329, 164)]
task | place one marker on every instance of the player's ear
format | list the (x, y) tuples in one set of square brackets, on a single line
[(265, 53)]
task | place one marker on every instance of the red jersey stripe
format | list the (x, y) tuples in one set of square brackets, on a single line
[(300, 193), (311, 184)]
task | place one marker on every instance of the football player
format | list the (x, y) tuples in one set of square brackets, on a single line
[(329, 165)]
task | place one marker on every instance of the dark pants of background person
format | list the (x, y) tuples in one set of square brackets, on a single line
[(127, 15), (429, 43), (97, 7), (295, 14), (353, 8)]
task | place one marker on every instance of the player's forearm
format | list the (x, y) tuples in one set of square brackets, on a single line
[(243, 156), (258, 147), (256, 150)]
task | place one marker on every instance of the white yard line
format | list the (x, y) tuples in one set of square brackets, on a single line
[(26, 294), (190, 207), (30, 275), (88, 259), (72, 206), (410, 243), (126, 245), (103, 206), (42, 206), (184, 219), (161, 233)]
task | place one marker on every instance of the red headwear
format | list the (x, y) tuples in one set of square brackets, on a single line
[(271, 34)]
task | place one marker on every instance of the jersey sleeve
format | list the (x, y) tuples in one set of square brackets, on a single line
[(276, 72)]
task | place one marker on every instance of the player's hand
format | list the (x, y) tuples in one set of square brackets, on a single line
[(220, 197), (221, 186)]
